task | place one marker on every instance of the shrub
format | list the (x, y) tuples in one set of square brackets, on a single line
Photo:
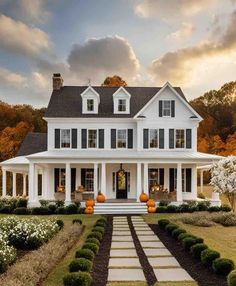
[(21, 203), (231, 279), (103, 220), (60, 204), (52, 208), (44, 203), (77, 203), (60, 223), (187, 242), (198, 220), (21, 211), (77, 220), (197, 249), (184, 235), (172, 209), (161, 210), (40, 211), (203, 206), (208, 256), (5, 209), (92, 246), (85, 253), (184, 208), (225, 219), (96, 235), (214, 209), (170, 227), (81, 210), (60, 210), (162, 223), (80, 264), (75, 279), (93, 240), (98, 229), (164, 203), (176, 232), (101, 223), (222, 266), (225, 208), (71, 209)]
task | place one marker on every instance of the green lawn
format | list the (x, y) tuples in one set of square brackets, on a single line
[(156, 284)]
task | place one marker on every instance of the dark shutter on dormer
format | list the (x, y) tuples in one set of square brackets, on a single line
[(101, 138), (130, 138), (161, 138), (74, 138), (145, 138), (161, 178), (188, 180), (57, 138), (160, 108), (172, 108), (84, 138), (113, 138), (171, 138), (189, 138)]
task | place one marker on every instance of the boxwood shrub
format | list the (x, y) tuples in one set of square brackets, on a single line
[(92, 246), (21, 211), (231, 279), (172, 209), (60, 210), (52, 208), (197, 249), (80, 264), (208, 256), (100, 223), (170, 227), (222, 266), (161, 209), (187, 242), (98, 229), (71, 209), (162, 223), (176, 232), (93, 240), (225, 208), (96, 235), (102, 219), (40, 211), (214, 209), (85, 253), (21, 203), (75, 279), (184, 235)]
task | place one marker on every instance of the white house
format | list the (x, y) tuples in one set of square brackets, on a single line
[(117, 140)]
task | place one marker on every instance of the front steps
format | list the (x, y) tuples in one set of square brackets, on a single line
[(120, 208)]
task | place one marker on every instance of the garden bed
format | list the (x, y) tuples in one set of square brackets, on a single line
[(202, 274)]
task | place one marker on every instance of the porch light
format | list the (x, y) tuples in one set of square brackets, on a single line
[(121, 171)]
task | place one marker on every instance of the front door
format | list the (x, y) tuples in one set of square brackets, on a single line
[(121, 185)]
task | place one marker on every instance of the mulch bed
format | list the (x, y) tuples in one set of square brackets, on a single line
[(101, 260), (203, 275), (147, 268)]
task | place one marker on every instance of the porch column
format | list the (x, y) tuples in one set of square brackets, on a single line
[(31, 183), (24, 185), (95, 180), (103, 179), (4, 182), (139, 180), (179, 195), (145, 178), (201, 180), (194, 182), (14, 184), (68, 183)]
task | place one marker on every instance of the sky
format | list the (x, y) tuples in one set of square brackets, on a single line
[(190, 43)]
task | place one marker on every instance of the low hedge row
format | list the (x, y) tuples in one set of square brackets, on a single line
[(81, 266), (195, 245)]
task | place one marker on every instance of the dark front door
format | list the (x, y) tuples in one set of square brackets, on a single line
[(121, 185)]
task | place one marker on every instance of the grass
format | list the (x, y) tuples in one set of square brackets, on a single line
[(156, 284)]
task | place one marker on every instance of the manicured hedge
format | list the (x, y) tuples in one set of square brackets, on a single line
[(85, 253), (197, 249), (222, 266), (75, 279), (80, 264), (208, 256), (163, 222), (231, 279)]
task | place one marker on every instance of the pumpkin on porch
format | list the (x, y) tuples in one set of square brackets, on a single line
[(100, 198), (152, 209), (151, 203), (90, 203), (88, 210), (143, 197)]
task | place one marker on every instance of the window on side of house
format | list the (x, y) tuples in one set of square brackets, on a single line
[(121, 138), (92, 138), (166, 108), (65, 138), (153, 138), (122, 105), (179, 138), (90, 105)]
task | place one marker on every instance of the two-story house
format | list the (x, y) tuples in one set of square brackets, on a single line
[(117, 140)]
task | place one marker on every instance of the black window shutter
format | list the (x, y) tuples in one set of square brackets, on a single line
[(82, 173), (172, 108), (74, 138), (56, 178), (171, 179), (130, 138), (161, 178), (73, 179), (171, 138), (84, 138), (57, 138), (113, 138), (188, 180), (101, 138), (189, 138), (161, 138), (160, 108), (145, 138)]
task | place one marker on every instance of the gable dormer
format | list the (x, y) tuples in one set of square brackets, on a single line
[(90, 101), (121, 101)]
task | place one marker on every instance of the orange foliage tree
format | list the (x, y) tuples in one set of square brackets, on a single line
[(114, 80)]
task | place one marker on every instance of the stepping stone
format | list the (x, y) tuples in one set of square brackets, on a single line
[(139, 223), (148, 238), (142, 232), (163, 262), (120, 228), (150, 252), (124, 262), (122, 244), (124, 232), (123, 253), (152, 244), (172, 274), (121, 274), (120, 223), (122, 238)]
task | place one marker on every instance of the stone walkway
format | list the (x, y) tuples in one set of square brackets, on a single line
[(124, 264)]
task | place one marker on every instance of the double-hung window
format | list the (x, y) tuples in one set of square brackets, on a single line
[(65, 138), (90, 105), (166, 108), (92, 138), (122, 105), (121, 138), (179, 138), (153, 138)]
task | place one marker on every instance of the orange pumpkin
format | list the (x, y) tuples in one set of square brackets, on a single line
[(89, 210), (151, 203), (152, 209), (143, 198), (90, 203), (100, 198)]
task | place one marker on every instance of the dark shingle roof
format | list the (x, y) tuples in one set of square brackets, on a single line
[(33, 143), (67, 101)]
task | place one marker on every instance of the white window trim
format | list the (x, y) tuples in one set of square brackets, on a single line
[(126, 144), (153, 148), (183, 148), (90, 111), (166, 116), (95, 148), (65, 148)]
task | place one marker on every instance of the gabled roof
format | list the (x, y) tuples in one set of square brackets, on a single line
[(67, 101), (33, 143)]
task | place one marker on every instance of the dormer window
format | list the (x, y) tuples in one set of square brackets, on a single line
[(122, 105), (121, 101), (90, 100), (90, 104)]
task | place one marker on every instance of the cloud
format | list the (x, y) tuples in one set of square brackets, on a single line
[(175, 9), (11, 79), (184, 32), (19, 38), (182, 65), (98, 58)]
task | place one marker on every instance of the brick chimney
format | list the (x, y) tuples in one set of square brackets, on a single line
[(57, 81)]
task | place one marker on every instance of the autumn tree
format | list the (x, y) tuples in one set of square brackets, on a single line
[(114, 80)]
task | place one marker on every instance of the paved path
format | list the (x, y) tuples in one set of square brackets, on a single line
[(124, 263)]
